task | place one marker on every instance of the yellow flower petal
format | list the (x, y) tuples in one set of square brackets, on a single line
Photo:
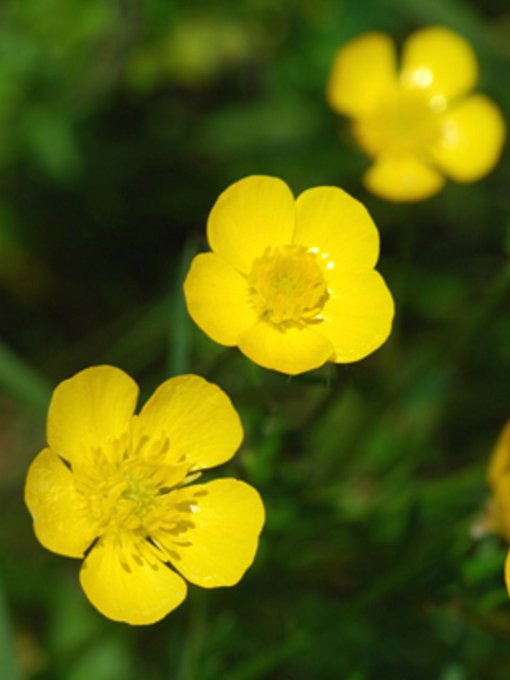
[(61, 521), (228, 518), (126, 583), (402, 178), (249, 216), (292, 351), (473, 136), (332, 222), (363, 71), (217, 299), (507, 572), (498, 519), (499, 465), (197, 417), (358, 316), (439, 61), (91, 408)]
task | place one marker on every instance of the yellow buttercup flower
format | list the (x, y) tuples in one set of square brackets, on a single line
[(497, 517), (117, 488), (417, 122), (291, 282)]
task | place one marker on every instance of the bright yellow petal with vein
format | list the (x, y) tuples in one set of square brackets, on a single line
[(137, 590), (61, 520), (223, 542), (252, 214), (339, 226), (499, 465), (472, 140), (358, 316), (197, 417), (91, 408), (217, 298), (292, 351), (439, 61), (363, 71), (402, 178)]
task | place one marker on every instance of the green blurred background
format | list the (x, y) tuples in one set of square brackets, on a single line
[(120, 123)]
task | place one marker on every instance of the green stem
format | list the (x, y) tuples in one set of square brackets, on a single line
[(192, 651)]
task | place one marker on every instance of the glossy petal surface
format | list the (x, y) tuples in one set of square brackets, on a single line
[(402, 178), (89, 410), (61, 521), (250, 215), (126, 583), (362, 72), (473, 136), (358, 317), (227, 518), (439, 61), (339, 227), (217, 298), (292, 351), (197, 417)]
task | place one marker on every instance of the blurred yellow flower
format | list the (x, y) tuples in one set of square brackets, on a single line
[(497, 518), (115, 487), (417, 123), (291, 282)]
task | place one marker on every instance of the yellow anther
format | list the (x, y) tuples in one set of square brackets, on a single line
[(288, 287)]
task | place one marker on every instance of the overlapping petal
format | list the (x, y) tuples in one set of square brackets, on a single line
[(405, 178), (198, 419), (362, 72), (126, 583), (62, 522), (439, 61), (472, 138), (292, 351), (332, 222), (222, 543), (217, 298), (358, 316), (249, 216), (89, 410)]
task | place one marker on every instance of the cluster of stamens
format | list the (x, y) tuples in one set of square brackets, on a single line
[(287, 287), (127, 492)]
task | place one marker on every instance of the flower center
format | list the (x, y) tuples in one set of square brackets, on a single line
[(406, 121), (287, 287), (139, 493), (126, 487)]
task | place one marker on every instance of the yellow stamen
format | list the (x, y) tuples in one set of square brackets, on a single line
[(287, 287), (127, 486)]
